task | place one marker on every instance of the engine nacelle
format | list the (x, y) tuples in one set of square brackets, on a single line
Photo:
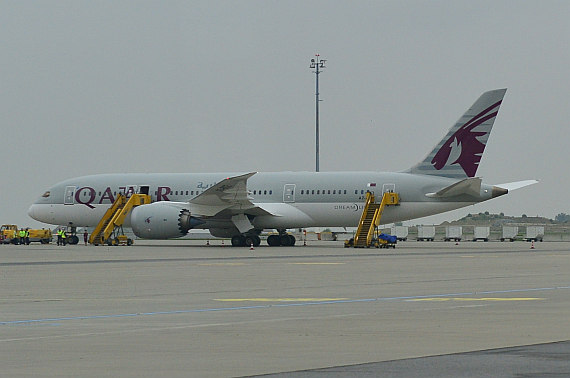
[(162, 220)]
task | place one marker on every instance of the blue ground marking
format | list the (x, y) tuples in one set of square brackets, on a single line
[(277, 305)]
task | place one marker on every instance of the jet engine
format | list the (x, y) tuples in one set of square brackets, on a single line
[(162, 220)]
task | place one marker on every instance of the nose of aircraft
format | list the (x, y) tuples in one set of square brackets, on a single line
[(34, 213)]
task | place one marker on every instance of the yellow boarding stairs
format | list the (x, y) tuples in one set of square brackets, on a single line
[(370, 220), (109, 230)]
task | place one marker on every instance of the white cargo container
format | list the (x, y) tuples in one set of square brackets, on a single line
[(453, 233), (534, 233), (510, 233), (401, 232), (481, 233), (426, 233)]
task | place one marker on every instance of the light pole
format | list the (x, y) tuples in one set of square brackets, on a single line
[(317, 63)]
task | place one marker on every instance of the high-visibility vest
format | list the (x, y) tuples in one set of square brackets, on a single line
[(22, 233)]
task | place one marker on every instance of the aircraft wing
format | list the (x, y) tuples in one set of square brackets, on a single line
[(230, 193)]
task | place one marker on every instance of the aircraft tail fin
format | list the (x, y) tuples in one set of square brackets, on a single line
[(458, 154)]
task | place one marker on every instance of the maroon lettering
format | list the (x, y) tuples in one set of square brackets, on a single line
[(108, 194), (163, 196), (90, 198)]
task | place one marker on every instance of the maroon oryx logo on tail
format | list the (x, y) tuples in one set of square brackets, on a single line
[(463, 147)]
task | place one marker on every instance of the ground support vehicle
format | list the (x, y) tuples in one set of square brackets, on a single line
[(42, 236), (426, 233), (534, 233), (481, 233), (454, 233), (510, 233), (9, 234)]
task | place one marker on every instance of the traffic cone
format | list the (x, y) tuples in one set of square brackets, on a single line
[(532, 245), (251, 247)]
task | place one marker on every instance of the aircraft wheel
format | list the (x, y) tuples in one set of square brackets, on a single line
[(249, 240), (286, 240), (238, 241), (256, 241), (273, 240), (292, 240), (129, 242)]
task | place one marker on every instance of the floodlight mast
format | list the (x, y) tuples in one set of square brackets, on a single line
[(317, 63)]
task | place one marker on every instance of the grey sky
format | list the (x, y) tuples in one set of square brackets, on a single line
[(196, 86)]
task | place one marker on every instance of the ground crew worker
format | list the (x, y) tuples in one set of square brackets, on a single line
[(63, 237), (59, 238), (85, 236), (27, 236), (22, 235)]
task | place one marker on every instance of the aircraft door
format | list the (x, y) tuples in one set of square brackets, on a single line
[(69, 198), (144, 189), (128, 190), (289, 193)]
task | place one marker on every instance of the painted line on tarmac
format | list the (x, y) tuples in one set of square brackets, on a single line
[(474, 299), (281, 300), (222, 264), (273, 306), (316, 263)]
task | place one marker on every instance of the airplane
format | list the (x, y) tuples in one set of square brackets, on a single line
[(241, 205)]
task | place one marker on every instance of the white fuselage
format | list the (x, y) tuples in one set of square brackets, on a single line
[(289, 199)]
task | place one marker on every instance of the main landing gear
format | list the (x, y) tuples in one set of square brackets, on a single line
[(246, 240), (283, 239)]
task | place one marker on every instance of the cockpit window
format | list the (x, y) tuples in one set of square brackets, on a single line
[(46, 194)]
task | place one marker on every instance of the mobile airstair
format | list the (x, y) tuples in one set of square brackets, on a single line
[(109, 230), (367, 230)]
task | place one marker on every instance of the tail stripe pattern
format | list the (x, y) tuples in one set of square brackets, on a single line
[(458, 154)]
